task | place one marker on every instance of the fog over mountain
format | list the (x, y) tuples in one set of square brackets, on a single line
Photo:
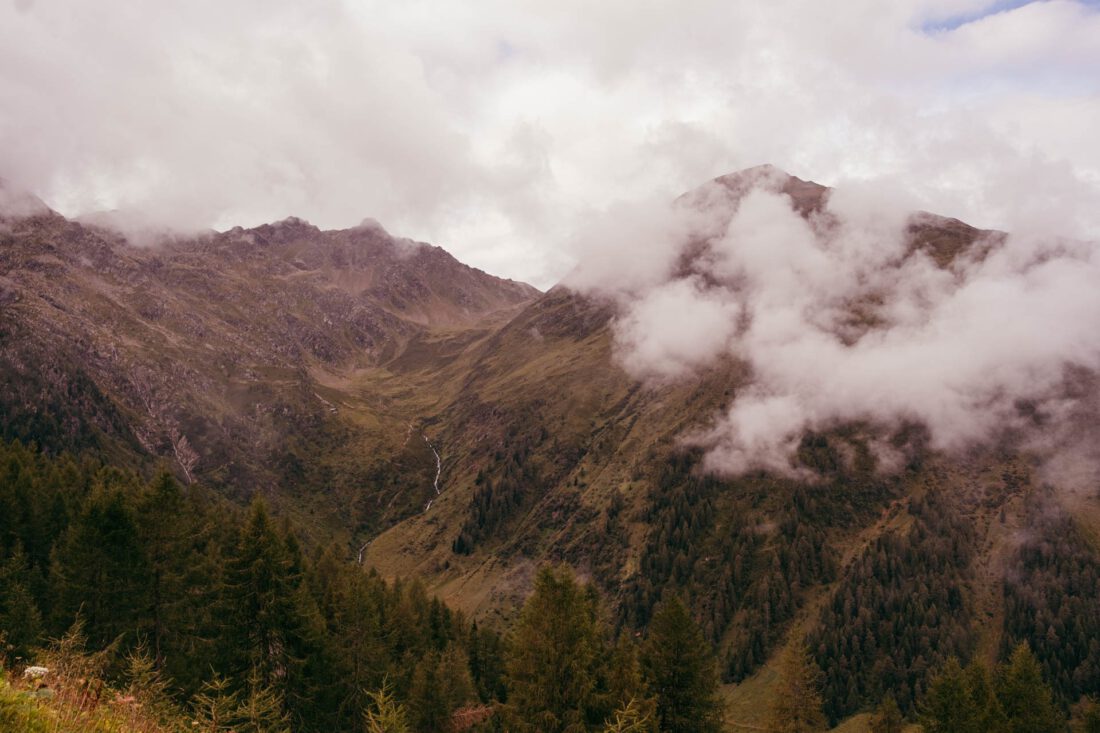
[(840, 320), (499, 131)]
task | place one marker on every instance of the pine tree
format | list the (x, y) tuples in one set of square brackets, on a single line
[(1027, 701), (797, 707), (990, 714), (624, 678), (486, 651), (214, 707), (947, 707), (146, 686), (950, 705), (261, 709), (1090, 719), (166, 526), (554, 650), (682, 672)]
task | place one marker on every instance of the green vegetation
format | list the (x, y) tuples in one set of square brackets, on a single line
[(918, 574), (219, 618), (232, 624), (1014, 700), (1053, 603)]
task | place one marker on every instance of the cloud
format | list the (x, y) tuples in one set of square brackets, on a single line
[(841, 319), (498, 130), (675, 327)]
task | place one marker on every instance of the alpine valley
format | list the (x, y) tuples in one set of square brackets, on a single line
[(416, 418)]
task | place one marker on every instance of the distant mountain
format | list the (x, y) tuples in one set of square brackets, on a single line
[(242, 358), (469, 428)]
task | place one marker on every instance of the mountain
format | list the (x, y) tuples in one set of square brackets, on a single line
[(260, 359), (470, 429)]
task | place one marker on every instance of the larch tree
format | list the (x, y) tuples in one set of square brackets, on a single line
[(554, 651), (798, 705)]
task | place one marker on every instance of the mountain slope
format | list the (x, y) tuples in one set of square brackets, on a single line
[(469, 429), (236, 356), (552, 452)]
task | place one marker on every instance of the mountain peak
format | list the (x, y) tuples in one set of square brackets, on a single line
[(16, 203), (806, 196)]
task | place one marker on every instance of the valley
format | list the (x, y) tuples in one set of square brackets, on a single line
[(439, 423)]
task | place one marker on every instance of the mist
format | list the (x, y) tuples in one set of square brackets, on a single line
[(841, 321)]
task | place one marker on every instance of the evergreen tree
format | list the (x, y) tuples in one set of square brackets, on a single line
[(486, 652), (166, 526), (948, 706), (682, 672), (265, 638), (797, 707), (20, 620), (214, 707), (261, 709), (440, 685), (1090, 719), (990, 714), (887, 718), (1027, 701), (100, 570), (554, 651), (625, 678)]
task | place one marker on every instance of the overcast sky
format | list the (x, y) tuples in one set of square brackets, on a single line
[(498, 130)]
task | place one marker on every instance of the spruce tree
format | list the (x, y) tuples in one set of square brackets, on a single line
[(947, 707), (951, 705), (440, 685), (1090, 719), (635, 716), (100, 569), (990, 714), (386, 714), (681, 671), (180, 585), (266, 633)]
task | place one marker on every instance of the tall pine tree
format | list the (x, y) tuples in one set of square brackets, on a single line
[(682, 672)]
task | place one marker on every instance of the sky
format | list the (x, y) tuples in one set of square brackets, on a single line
[(506, 131)]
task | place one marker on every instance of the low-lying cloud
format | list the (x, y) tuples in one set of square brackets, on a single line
[(842, 321)]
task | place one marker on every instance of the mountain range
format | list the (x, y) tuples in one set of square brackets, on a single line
[(445, 423)]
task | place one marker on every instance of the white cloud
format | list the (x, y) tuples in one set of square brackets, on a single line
[(496, 129), (676, 327), (841, 322)]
